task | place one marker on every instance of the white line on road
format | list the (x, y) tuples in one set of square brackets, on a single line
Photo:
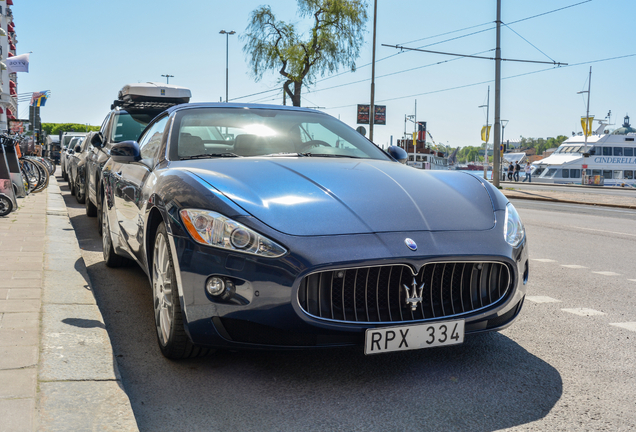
[(543, 260), (606, 273), (610, 232), (583, 311), (573, 266), (542, 299), (631, 326)]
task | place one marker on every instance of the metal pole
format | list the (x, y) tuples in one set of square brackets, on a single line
[(487, 136), (587, 114), (497, 139), (372, 105), (227, 68), (415, 133)]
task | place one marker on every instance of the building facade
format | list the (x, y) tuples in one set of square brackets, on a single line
[(8, 81)]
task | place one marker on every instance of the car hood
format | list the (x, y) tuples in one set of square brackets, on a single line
[(319, 196)]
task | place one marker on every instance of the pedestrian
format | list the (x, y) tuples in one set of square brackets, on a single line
[(517, 170), (510, 170), (528, 171)]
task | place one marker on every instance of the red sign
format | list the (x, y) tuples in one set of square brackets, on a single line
[(584, 166)]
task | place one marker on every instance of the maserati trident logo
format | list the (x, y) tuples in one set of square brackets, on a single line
[(410, 244), (413, 297)]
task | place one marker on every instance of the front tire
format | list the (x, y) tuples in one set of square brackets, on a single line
[(171, 336), (80, 194), (6, 205)]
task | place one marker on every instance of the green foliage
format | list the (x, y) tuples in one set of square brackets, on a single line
[(540, 145), (57, 128), (334, 39)]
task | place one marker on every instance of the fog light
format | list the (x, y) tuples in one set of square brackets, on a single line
[(215, 286)]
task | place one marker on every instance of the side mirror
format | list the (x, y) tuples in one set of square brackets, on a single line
[(97, 140), (77, 148), (125, 152), (398, 153)]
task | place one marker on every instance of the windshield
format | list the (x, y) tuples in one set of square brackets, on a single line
[(128, 126), (219, 132)]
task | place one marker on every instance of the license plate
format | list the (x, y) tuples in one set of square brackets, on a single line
[(389, 339)]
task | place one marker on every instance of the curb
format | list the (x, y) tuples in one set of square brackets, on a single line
[(558, 200), (79, 385)]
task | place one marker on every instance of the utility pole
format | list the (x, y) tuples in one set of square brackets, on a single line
[(372, 105), (227, 45), (168, 78), (487, 134), (496, 160)]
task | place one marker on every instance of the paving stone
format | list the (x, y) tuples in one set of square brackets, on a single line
[(63, 407), (4, 294), (24, 293), (77, 331), (16, 357), (17, 383), (20, 320), (17, 415), (11, 337), (20, 305), (27, 274), (20, 283)]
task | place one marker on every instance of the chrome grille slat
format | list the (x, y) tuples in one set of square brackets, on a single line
[(454, 288)]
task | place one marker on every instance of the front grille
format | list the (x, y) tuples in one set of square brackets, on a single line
[(377, 294)]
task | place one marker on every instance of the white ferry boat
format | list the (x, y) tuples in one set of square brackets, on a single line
[(611, 160)]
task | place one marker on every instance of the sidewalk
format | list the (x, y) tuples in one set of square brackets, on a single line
[(57, 371), (582, 197)]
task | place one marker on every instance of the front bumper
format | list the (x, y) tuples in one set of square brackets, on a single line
[(265, 311)]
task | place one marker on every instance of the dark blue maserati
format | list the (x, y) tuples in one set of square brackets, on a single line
[(270, 227)]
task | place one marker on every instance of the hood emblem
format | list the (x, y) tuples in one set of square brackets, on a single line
[(415, 296), (410, 244)]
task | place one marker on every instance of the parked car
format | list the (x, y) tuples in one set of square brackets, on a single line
[(133, 109), (77, 168), (66, 154), (65, 141), (278, 227)]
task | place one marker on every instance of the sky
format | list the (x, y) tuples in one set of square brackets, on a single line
[(85, 51)]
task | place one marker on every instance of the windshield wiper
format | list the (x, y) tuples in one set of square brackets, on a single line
[(210, 155), (328, 155)]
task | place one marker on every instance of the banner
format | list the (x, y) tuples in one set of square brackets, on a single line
[(421, 131), (485, 133), (380, 114), (586, 124), (19, 63), (39, 98)]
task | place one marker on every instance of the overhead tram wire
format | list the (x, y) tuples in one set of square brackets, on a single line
[(424, 46), (490, 81)]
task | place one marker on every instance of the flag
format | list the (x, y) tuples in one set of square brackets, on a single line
[(587, 128), (485, 133), (39, 98), (421, 131), (19, 63)]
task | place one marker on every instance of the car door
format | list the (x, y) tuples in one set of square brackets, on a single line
[(130, 178), (91, 165)]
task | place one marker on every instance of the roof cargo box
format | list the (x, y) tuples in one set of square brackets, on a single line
[(151, 96)]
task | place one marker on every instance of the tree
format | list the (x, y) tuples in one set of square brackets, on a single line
[(56, 128), (334, 39)]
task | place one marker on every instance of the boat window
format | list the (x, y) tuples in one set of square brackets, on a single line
[(596, 172), (550, 173), (577, 149), (588, 172), (628, 151), (618, 151), (607, 174), (607, 151), (565, 173), (618, 175), (559, 150), (537, 172), (628, 174), (575, 173)]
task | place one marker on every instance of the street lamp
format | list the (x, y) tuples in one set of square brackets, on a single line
[(168, 78), (227, 37)]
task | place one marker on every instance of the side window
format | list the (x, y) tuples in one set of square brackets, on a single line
[(104, 125), (629, 151), (150, 142), (618, 151), (607, 151)]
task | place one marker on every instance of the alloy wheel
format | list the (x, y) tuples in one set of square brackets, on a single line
[(163, 289)]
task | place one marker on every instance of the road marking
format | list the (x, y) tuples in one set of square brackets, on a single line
[(606, 273), (543, 260), (633, 280), (583, 311), (631, 326), (610, 232), (573, 266), (542, 299)]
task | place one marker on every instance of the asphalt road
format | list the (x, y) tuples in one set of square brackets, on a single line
[(558, 367)]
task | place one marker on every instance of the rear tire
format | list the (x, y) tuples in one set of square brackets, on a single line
[(110, 257), (6, 205), (171, 335), (80, 194)]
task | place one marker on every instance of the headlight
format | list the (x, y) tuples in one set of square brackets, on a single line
[(513, 228), (213, 229)]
